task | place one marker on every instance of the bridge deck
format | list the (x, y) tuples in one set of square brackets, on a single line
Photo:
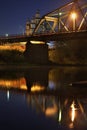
[(44, 37)]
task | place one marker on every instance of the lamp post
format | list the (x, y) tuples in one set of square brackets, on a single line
[(59, 15), (73, 16)]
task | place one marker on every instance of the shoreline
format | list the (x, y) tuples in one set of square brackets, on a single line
[(40, 65), (26, 67)]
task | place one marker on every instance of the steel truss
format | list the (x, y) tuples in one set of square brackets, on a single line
[(61, 20)]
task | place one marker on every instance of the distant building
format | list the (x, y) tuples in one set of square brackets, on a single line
[(31, 24)]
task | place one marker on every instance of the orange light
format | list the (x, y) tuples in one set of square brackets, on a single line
[(73, 15), (37, 88), (73, 111), (16, 83)]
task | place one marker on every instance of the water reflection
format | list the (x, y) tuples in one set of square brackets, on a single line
[(13, 83), (41, 78), (37, 77), (8, 95), (71, 112), (47, 91), (37, 87)]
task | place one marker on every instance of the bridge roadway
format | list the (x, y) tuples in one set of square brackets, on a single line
[(44, 37)]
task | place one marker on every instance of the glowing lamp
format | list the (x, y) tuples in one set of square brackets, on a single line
[(73, 15)]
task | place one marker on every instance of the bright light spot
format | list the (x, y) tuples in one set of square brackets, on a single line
[(73, 114), (8, 95), (73, 111), (6, 35), (16, 83), (23, 43), (37, 42), (24, 87), (60, 115), (73, 15), (37, 88), (60, 13)]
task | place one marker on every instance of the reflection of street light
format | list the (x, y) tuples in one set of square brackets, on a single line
[(73, 114), (73, 16), (8, 95)]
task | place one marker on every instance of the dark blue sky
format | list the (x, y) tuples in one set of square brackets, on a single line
[(14, 13)]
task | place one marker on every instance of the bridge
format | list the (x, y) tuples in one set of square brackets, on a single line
[(66, 22)]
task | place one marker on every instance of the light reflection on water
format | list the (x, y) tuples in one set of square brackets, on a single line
[(44, 94)]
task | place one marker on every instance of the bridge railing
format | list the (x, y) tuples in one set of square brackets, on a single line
[(50, 33), (20, 36), (13, 36)]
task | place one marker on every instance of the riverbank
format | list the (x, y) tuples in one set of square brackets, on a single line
[(29, 65)]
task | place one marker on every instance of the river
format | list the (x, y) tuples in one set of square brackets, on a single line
[(43, 98)]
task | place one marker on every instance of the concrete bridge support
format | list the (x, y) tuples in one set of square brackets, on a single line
[(36, 53)]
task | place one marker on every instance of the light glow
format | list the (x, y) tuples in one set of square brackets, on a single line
[(37, 42), (15, 83), (73, 15), (8, 95), (60, 13), (60, 115), (51, 111), (73, 111), (19, 47), (37, 88)]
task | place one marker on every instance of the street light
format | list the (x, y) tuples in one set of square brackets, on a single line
[(73, 16), (59, 16)]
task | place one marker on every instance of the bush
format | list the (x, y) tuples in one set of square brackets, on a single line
[(9, 56)]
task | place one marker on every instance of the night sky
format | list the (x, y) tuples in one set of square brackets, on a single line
[(14, 13)]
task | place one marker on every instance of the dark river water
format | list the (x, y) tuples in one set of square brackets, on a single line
[(43, 98)]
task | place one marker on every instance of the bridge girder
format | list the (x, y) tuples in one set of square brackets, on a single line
[(59, 20)]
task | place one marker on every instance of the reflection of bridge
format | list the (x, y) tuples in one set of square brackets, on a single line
[(67, 21), (66, 111), (65, 103)]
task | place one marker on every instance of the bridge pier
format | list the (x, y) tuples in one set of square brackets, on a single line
[(36, 53)]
